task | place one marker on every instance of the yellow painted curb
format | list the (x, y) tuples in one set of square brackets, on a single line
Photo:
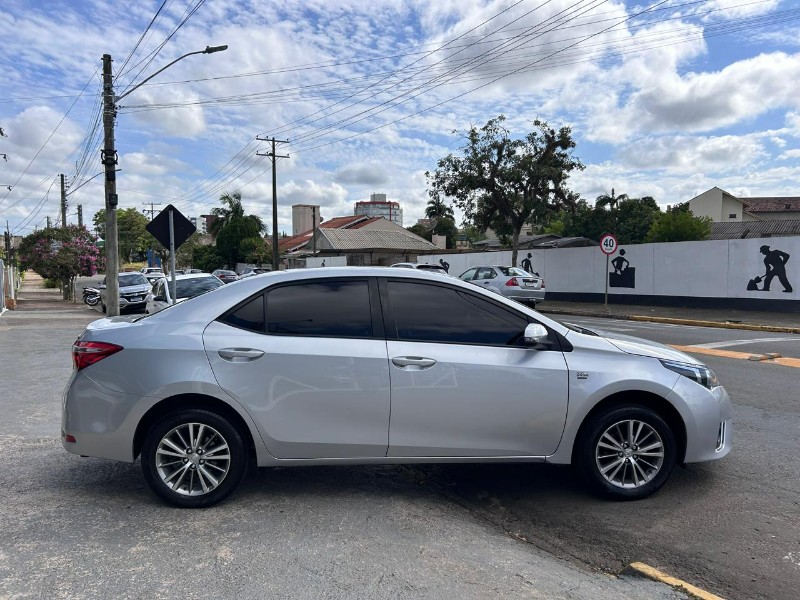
[(656, 575)]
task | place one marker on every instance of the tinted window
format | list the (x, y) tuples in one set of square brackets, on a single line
[(189, 288), (433, 313), (324, 308), (248, 316)]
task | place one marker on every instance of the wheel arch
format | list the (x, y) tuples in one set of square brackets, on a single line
[(197, 401), (654, 402)]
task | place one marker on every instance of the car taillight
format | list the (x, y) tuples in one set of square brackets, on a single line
[(88, 353), (512, 282)]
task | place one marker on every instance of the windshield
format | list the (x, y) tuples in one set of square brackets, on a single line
[(189, 288), (126, 279)]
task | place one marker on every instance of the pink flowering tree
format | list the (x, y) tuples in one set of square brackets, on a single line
[(61, 254)]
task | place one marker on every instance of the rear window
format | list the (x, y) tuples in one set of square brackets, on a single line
[(513, 272), (433, 268)]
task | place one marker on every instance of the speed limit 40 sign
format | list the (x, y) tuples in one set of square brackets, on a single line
[(608, 243)]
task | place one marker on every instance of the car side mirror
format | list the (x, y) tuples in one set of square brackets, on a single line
[(536, 336)]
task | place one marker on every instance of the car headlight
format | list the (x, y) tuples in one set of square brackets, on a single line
[(699, 373)]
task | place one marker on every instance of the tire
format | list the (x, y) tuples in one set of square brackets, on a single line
[(178, 475), (103, 308), (91, 300), (610, 454)]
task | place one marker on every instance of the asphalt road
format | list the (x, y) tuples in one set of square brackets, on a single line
[(732, 527)]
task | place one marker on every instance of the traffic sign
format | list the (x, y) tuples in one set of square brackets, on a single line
[(159, 227), (608, 243)]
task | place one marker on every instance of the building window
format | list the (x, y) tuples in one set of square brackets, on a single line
[(732, 216)]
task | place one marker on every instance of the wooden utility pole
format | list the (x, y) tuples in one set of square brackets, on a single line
[(109, 159), (80, 215), (274, 196), (63, 202)]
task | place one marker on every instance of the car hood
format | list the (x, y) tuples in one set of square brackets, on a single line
[(642, 347)]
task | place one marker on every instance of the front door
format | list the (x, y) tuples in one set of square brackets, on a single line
[(462, 385)]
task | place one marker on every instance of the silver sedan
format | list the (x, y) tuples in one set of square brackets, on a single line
[(358, 365), (511, 282)]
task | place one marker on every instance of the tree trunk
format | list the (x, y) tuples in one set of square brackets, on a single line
[(515, 246)]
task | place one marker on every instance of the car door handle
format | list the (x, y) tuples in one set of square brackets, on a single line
[(413, 361), (240, 354)]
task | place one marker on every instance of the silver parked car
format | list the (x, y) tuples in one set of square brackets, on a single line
[(357, 365), (511, 282), (133, 290), (186, 286)]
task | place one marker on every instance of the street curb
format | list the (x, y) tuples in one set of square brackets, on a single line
[(643, 570), (675, 321)]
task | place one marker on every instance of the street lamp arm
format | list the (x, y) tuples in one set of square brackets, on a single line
[(208, 50)]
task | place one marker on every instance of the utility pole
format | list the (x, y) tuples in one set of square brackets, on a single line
[(274, 196), (108, 157), (48, 222), (152, 209), (63, 203), (80, 215)]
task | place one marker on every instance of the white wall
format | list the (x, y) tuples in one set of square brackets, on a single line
[(711, 269)]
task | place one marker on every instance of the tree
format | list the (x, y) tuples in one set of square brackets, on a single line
[(61, 254), (134, 239), (184, 255), (207, 258), (254, 250), (231, 211), (500, 182), (610, 201), (231, 227), (679, 225), (634, 218)]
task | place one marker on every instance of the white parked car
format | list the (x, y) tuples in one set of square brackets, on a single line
[(186, 286)]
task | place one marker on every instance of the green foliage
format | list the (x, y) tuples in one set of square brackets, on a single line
[(207, 258), (133, 239), (184, 255), (232, 227), (421, 231), (679, 226), (255, 251), (61, 254), (634, 218), (503, 183)]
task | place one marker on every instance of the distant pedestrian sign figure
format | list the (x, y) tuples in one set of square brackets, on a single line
[(445, 265), (775, 263), (526, 263), (623, 274)]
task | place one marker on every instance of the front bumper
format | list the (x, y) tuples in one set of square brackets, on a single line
[(707, 415)]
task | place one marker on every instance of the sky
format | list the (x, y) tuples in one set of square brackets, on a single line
[(666, 99)]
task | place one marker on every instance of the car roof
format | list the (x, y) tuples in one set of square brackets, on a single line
[(190, 276)]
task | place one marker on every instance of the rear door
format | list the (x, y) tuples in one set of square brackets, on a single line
[(308, 361), (462, 382)]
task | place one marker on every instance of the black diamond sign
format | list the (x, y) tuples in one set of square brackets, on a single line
[(159, 227)]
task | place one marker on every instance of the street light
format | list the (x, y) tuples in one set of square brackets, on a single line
[(109, 159)]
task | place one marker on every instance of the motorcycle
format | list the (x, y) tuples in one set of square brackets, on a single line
[(91, 296)]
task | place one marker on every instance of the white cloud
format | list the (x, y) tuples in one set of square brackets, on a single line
[(789, 154)]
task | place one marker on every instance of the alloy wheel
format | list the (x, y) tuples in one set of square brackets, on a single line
[(629, 454), (192, 459)]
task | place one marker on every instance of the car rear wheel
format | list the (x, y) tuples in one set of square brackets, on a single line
[(193, 458), (626, 453)]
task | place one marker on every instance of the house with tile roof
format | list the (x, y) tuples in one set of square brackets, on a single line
[(364, 240), (739, 218)]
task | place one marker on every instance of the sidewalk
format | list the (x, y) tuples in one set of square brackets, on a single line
[(704, 317), (36, 303)]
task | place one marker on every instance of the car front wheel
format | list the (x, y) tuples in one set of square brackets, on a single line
[(626, 453), (193, 458)]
